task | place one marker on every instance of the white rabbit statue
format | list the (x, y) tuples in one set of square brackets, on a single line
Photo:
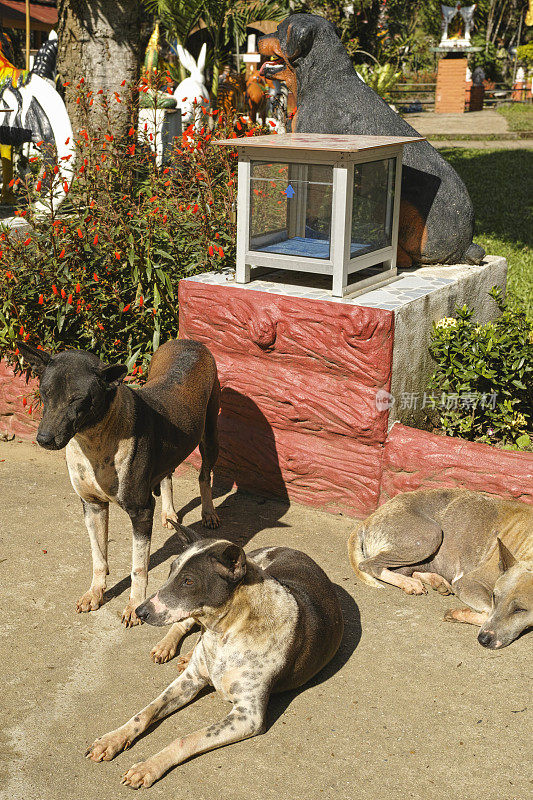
[(191, 92)]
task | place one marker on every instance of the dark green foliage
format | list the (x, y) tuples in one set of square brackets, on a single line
[(485, 373)]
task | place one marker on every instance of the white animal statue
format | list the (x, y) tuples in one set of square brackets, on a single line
[(191, 93), (32, 110), (467, 13)]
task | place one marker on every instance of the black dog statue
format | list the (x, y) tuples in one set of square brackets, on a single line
[(436, 214)]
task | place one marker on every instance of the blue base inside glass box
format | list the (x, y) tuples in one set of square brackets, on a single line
[(309, 247)]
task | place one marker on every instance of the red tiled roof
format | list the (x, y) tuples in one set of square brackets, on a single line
[(15, 9)]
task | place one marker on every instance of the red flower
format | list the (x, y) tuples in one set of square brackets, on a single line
[(217, 235), (28, 240), (24, 402), (126, 308), (131, 131), (80, 233), (123, 83), (38, 186), (56, 169), (195, 208), (21, 331), (65, 187), (117, 255), (211, 251), (92, 204), (67, 140), (153, 199), (95, 276), (95, 240), (141, 301), (78, 288), (63, 294), (41, 299), (108, 137), (62, 253), (221, 252), (131, 149), (69, 299), (99, 325), (54, 288)]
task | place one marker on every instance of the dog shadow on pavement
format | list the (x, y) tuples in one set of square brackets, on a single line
[(352, 635)]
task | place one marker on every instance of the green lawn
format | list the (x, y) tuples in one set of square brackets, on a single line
[(500, 183), (519, 116)]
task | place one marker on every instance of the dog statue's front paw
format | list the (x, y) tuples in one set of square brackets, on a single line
[(210, 519), (145, 773), (107, 746), (166, 516), (129, 617), (183, 661), (90, 601)]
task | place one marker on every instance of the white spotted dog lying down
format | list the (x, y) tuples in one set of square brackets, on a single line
[(270, 621)]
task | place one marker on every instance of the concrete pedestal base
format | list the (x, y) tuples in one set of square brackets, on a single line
[(312, 383)]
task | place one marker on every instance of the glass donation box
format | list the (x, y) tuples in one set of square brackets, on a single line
[(320, 203)]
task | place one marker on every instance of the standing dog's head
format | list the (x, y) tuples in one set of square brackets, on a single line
[(512, 602), (289, 45), (201, 580), (76, 389)]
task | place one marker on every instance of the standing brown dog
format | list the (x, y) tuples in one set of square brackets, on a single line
[(123, 445)]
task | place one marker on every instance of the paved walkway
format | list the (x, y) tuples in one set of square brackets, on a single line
[(484, 144), (411, 707), (475, 123)]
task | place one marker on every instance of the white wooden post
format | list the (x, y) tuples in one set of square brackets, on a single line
[(242, 269), (339, 225)]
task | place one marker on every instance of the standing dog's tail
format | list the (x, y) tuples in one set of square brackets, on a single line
[(356, 555)]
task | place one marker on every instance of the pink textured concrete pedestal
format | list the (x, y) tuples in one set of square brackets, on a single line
[(301, 377)]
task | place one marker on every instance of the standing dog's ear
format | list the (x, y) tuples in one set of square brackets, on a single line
[(37, 359), (507, 560), (185, 535), (299, 39), (114, 374), (231, 563)]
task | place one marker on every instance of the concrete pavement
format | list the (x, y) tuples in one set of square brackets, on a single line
[(411, 707)]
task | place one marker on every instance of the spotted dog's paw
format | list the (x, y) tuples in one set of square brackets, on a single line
[(90, 601), (164, 650), (143, 774), (107, 746)]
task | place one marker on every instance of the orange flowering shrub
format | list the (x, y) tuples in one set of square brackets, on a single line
[(101, 272)]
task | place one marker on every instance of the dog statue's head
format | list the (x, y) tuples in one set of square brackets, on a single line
[(202, 580), (512, 602), (289, 45), (76, 389)]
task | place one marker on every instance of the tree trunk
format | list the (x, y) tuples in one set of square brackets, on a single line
[(98, 41)]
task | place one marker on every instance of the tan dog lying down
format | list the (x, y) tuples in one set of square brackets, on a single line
[(476, 546)]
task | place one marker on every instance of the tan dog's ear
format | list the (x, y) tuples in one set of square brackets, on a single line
[(507, 560)]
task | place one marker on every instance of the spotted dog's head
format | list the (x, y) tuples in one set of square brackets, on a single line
[(289, 45), (202, 579), (76, 389)]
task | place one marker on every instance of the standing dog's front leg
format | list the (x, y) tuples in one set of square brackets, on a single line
[(96, 517), (142, 521), (244, 720)]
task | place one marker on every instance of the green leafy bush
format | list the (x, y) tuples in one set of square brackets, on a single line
[(483, 383), (102, 271), (381, 78)]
